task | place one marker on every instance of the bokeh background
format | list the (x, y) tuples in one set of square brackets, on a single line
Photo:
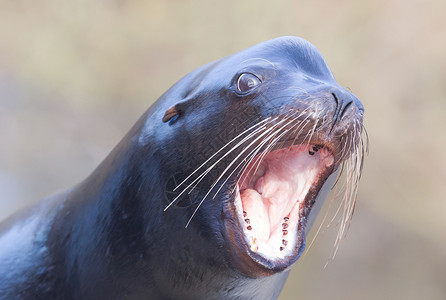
[(75, 76)]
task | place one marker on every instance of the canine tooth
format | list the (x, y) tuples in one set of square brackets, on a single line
[(286, 219), (254, 247), (244, 214)]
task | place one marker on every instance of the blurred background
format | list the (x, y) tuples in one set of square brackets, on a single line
[(76, 75)]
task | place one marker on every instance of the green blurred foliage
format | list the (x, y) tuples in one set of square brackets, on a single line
[(75, 75)]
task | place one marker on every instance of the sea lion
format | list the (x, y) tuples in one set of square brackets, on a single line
[(209, 195)]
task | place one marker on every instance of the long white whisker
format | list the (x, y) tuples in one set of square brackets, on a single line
[(221, 149), (199, 178), (260, 158), (241, 152)]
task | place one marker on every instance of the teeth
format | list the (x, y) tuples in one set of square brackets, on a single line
[(247, 221), (285, 232), (254, 246)]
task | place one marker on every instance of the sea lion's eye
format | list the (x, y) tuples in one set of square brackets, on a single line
[(247, 82)]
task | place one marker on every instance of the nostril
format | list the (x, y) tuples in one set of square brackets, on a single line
[(336, 98), (342, 105), (345, 109)]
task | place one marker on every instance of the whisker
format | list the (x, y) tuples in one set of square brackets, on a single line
[(260, 158), (256, 150), (227, 168), (221, 149), (244, 162), (199, 178), (354, 170)]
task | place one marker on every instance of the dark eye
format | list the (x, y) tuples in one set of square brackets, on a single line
[(247, 82)]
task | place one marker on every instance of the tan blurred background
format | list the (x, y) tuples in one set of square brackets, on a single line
[(75, 75)]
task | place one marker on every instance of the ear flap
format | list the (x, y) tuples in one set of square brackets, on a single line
[(172, 112), (176, 111)]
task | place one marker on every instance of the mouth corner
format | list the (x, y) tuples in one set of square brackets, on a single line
[(272, 200)]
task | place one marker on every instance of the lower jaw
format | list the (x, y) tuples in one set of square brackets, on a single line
[(251, 263), (272, 245), (255, 265)]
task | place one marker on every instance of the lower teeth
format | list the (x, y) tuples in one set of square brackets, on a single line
[(254, 247)]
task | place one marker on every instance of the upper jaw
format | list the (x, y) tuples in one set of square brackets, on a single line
[(266, 221)]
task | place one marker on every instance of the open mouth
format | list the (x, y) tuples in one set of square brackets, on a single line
[(274, 196)]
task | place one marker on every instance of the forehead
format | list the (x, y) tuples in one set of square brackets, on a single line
[(287, 56), (290, 54)]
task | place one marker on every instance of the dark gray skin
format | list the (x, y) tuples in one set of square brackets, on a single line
[(109, 236)]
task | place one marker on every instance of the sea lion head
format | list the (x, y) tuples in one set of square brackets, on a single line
[(248, 147)]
